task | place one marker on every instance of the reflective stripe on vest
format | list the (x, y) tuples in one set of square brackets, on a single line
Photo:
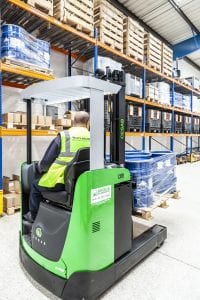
[(71, 140)]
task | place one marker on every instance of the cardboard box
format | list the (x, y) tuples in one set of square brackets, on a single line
[(11, 200), (63, 122), (16, 118), (11, 185), (17, 200), (23, 119), (40, 120), (8, 201), (34, 119), (7, 118), (48, 121), (8, 185)]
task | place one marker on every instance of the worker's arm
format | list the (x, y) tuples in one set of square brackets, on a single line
[(50, 155)]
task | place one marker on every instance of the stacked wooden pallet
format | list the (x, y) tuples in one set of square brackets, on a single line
[(133, 39), (152, 51), (76, 13), (167, 60), (45, 6), (109, 22), (16, 63), (160, 201)]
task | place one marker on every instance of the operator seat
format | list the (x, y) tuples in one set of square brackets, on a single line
[(79, 164)]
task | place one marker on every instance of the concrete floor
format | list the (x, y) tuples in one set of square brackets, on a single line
[(170, 273)]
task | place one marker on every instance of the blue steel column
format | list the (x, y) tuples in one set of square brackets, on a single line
[(1, 157), (143, 107), (69, 72), (95, 50), (1, 125), (187, 145), (172, 124), (191, 108)]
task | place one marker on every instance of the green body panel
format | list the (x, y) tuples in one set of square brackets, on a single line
[(89, 243)]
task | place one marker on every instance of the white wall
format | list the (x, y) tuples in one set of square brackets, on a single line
[(187, 70)]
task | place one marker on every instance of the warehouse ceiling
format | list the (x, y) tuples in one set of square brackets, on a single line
[(165, 18)]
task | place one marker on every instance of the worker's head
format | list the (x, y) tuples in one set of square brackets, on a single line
[(81, 119)]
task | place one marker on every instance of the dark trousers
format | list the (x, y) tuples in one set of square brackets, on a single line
[(36, 195)]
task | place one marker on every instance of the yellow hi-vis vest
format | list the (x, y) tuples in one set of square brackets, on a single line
[(71, 141)]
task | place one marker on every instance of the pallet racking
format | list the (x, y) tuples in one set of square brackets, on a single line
[(78, 45)]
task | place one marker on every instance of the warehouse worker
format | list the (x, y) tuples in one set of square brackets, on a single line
[(62, 149)]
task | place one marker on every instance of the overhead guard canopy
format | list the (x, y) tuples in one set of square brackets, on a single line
[(71, 89), (68, 89)]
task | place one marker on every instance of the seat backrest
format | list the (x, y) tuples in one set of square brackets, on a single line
[(79, 164)]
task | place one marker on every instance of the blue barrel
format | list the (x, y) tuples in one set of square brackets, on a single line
[(141, 173), (137, 154)]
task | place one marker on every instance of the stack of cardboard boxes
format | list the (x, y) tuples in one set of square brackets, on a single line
[(65, 122), (11, 194), (10, 120)]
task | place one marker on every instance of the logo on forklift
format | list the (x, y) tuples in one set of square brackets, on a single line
[(122, 129), (101, 194), (38, 232)]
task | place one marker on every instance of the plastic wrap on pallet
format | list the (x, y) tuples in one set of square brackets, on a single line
[(18, 45), (178, 99), (103, 62), (186, 102), (195, 104), (164, 173), (154, 175), (164, 91), (133, 85)]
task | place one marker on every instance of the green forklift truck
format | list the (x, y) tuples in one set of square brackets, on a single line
[(81, 241)]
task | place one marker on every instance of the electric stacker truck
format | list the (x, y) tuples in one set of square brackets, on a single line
[(81, 241)]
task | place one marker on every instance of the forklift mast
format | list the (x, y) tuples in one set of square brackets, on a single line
[(117, 128), (117, 134)]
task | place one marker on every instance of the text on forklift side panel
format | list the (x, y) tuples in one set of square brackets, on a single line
[(101, 194)]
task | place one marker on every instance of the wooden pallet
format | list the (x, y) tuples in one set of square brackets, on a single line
[(167, 60), (182, 160), (161, 200), (19, 63), (59, 127), (43, 127), (14, 126), (152, 51), (146, 212), (76, 13), (133, 39), (45, 6), (24, 126), (109, 22), (12, 210), (149, 98)]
